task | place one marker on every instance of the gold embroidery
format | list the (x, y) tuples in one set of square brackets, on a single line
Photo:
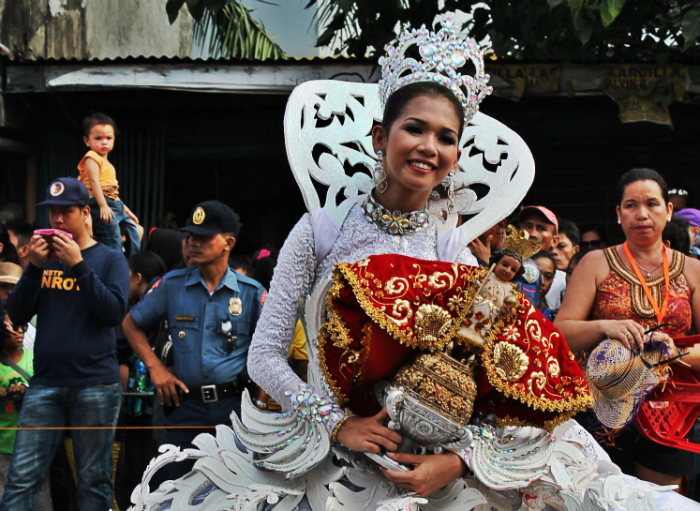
[(401, 309), (347, 359), (432, 323), (440, 383), (553, 367), (407, 335), (518, 391), (640, 302), (332, 384), (396, 286), (510, 361)]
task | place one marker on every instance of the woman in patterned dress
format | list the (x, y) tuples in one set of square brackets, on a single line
[(606, 300)]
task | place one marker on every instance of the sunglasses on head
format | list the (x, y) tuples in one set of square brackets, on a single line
[(678, 191), (590, 244)]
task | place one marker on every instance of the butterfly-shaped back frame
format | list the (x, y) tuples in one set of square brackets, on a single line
[(328, 125)]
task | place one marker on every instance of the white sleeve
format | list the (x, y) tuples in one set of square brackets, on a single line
[(268, 356)]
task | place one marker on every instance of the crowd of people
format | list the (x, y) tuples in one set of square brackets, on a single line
[(107, 324)]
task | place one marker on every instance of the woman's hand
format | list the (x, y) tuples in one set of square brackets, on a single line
[(628, 332), (368, 434), (666, 339), (429, 474)]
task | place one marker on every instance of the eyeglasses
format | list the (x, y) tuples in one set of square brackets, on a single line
[(678, 191), (590, 244)]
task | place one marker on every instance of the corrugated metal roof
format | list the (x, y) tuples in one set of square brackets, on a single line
[(143, 59)]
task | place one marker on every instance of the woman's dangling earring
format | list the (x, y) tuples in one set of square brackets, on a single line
[(380, 183), (449, 185)]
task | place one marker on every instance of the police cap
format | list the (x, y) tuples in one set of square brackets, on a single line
[(211, 217)]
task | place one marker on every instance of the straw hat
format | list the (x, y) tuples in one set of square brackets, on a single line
[(10, 273), (619, 380)]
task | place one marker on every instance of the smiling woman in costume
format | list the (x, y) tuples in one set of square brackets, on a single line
[(628, 289), (403, 325)]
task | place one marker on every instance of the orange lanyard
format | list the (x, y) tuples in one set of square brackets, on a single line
[(659, 313)]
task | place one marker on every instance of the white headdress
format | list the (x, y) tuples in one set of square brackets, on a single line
[(328, 125), (443, 54)]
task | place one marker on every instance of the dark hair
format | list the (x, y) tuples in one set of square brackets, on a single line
[(500, 254), (596, 228), (569, 228), (546, 255), (676, 233), (576, 258), (243, 262), (148, 264), (167, 243), (9, 252), (401, 97), (635, 175), (263, 269), (23, 231), (97, 119)]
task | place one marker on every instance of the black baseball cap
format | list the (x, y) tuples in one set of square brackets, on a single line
[(211, 217), (66, 191)]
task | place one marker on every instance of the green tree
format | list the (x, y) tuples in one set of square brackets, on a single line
[(529, 30), (229, 29)]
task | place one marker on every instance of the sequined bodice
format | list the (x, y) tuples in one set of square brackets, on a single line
[(621, 296), (359, 239), (297, 273)]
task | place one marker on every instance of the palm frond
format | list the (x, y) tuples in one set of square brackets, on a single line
[(233, 33)]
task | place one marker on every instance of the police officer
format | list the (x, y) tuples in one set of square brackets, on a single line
[(211, 311)]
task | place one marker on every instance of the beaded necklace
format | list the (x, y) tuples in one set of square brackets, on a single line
[(395, 222)]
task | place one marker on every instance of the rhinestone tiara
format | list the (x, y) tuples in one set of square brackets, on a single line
[(443, 53)]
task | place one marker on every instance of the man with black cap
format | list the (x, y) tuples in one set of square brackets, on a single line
[(211, 312), (78, 289)]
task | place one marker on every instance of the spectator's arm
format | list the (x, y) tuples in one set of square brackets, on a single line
[(24, 300), (107, 300), (691, 272), (580, 332), (164, 381)]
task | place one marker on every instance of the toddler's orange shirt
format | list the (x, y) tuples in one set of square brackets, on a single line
[(108, 176)]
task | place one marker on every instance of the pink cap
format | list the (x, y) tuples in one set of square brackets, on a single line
[(549, 216)]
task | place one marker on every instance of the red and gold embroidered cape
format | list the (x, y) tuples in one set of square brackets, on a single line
[(384, 308)]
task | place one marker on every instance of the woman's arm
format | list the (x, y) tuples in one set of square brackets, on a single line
[(268, 363), (691, 272), (580, 332)]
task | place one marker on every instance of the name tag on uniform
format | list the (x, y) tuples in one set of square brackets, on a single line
[(184, 318)]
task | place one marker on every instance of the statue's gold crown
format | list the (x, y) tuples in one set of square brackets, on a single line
[(521, 243)]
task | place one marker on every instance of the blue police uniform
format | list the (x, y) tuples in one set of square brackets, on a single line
[(198, 324)]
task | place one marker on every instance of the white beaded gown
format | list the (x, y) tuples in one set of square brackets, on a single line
[(578, 475)]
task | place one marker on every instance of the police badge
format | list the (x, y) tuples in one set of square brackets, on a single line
[(235, 307)]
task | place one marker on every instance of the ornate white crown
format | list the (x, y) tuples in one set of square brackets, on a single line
[(443, 53)]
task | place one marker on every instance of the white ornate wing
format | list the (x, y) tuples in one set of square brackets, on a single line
[(328, 125)]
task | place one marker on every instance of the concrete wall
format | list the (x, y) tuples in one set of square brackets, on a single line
[(93, 29)]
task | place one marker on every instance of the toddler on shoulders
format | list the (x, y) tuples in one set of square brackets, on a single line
[(100, 178)]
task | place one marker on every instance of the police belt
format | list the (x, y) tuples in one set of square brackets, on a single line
[(214, 393)]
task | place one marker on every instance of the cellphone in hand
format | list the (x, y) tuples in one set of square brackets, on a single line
[(47, 234)]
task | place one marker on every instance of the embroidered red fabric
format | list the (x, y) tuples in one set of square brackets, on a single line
[(384, 308)]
